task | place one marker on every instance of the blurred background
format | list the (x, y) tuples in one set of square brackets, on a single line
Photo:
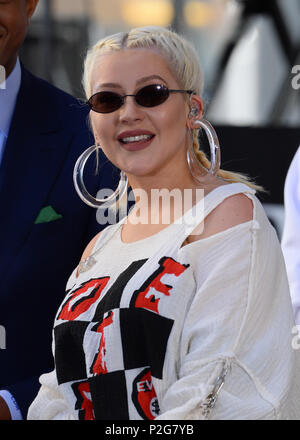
[(250, 56)]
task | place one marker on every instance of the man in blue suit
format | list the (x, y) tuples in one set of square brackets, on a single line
[(44, 226)]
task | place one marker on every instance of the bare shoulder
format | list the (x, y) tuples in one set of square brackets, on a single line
[(234, 210), (89, 248)]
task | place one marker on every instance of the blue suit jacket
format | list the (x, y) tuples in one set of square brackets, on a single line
[(47, 134)]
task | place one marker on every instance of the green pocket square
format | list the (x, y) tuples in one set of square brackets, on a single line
[(46, 215)]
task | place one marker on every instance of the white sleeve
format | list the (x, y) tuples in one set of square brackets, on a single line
[(291, 233), (211, 331), (49, 404)]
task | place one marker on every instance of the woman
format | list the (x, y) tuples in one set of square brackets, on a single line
[(184, 320)]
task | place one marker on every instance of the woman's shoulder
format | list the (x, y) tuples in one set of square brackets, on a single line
[(90, 247), (233, 209), (86, 254), (104, 234)]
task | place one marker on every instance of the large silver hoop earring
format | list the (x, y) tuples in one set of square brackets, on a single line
[(195, 166), (85, 196)]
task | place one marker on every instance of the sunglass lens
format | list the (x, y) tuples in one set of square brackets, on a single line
[(152, 95), (105, 102)]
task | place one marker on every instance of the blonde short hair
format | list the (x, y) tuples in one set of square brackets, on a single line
[(179, 54), (184, 65)]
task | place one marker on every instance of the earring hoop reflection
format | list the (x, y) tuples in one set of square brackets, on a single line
[(83, 193), (194, 165)]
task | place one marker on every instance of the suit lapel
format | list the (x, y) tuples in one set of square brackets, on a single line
[(36, 147)]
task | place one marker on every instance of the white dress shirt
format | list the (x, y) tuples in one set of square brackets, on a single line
[(8, 97), (291, 232)]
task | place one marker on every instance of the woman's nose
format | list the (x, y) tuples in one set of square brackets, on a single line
[(130, 110)]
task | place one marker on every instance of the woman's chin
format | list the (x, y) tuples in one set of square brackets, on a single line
[(138, 173)]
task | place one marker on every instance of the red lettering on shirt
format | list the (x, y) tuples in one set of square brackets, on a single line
[(84, 402), (70, 312), (144, 396), (167, 266), (99, 365)]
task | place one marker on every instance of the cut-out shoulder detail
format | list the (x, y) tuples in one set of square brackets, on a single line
[(88, 250), (233, 211), (247, 226)]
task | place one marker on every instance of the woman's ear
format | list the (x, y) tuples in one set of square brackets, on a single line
[(196, 110)]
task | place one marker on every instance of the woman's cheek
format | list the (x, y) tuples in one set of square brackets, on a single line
[(110, 150)]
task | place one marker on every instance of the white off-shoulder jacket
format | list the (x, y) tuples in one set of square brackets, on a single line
[(159, 330)]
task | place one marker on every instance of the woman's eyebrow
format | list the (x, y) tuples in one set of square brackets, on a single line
[(139, 81), (147, 78), (112, 85)]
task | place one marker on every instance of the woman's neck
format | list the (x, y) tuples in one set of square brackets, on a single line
[(168, 201)]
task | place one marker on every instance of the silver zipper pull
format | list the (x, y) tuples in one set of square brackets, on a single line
[(210, 400)]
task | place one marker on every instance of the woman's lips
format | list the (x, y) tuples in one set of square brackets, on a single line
[(130, 140), (138, 145)]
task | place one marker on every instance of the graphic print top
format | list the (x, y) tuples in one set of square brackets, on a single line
[(151, 328)]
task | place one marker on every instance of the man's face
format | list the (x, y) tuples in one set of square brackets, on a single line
[(14, 19)]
